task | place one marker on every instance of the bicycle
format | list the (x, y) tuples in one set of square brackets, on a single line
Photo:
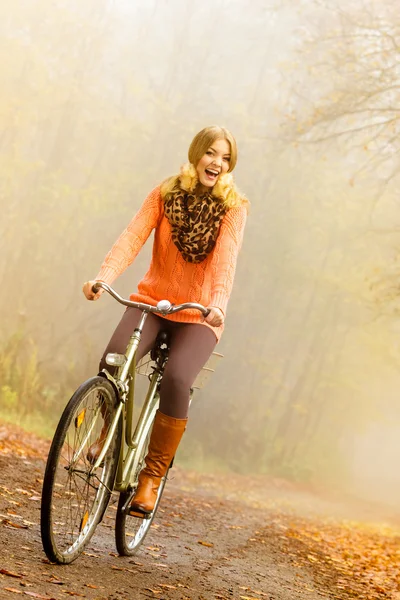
[(77, 489)]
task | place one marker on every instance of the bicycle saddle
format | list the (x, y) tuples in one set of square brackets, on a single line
[(161, 345), (162, 338)]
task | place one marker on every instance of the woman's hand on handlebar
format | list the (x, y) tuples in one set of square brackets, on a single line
[(88, 291), (215, 317)]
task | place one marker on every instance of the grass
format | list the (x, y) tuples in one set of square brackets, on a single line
[(36, 422)]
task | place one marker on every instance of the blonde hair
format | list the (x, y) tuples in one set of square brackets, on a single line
[(225, 188), (205, 138)]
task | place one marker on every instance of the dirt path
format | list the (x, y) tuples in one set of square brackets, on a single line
[(244, 542)]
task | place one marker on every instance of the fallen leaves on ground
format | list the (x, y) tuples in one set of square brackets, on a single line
[(167, 586), (9, 523), (29, 445), (55, 581), (250, 591), (207, 544), (40, 596), (10, 573), (347, 560), (26, 593), (355, 560)]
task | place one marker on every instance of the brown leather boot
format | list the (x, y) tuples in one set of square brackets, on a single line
[(164, 441), (94, 450)]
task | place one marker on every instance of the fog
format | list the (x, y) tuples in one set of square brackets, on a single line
[(99, 103)]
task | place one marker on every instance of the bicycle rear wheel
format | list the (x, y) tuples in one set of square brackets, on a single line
[(75, 496), (130, 531)]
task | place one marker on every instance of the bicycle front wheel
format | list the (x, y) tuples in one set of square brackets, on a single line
[(75, 496), (130, 531)]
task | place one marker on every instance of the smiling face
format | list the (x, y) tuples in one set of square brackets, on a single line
[(214, 163)]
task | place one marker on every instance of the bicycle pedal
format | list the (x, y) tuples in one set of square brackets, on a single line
[(138, 514)]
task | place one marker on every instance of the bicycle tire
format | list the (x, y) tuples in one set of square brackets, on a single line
[(131, 531), (74, 497)]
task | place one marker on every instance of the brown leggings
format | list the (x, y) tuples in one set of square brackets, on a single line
[(190, 346)]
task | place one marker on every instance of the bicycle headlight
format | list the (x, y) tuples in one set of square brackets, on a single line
[(115, 360)]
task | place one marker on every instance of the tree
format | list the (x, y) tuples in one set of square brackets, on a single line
[(358, 52)]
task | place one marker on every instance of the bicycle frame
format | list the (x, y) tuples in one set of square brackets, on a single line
[(124, 383)]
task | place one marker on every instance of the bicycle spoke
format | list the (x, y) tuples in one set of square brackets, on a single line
[(87, 434)]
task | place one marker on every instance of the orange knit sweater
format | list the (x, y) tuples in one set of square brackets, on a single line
[(169, 276)]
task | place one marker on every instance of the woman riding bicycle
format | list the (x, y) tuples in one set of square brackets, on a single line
[(199, 218)]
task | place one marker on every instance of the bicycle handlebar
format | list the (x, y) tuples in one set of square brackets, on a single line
[(164, 307)]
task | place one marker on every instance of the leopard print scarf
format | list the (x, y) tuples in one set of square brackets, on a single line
[(195, 222)]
